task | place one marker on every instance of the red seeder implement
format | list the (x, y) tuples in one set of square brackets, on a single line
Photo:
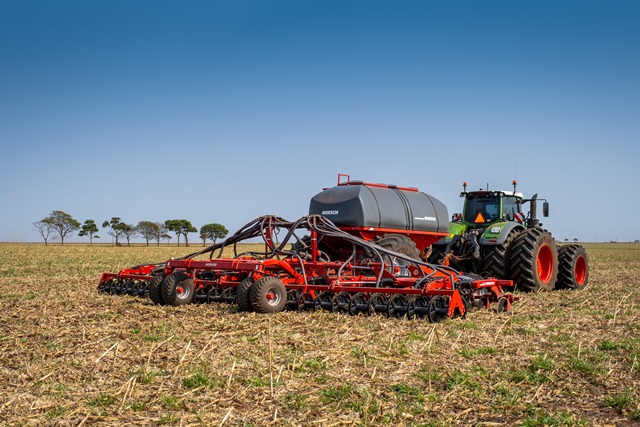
[(327, 268)]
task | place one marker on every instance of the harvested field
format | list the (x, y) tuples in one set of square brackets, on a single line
[(70, 356)]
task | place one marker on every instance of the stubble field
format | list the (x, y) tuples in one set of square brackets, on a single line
[(70, 356)]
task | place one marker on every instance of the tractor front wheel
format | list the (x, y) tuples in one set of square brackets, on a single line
[(534, 260), (495, 259), (573, 270)]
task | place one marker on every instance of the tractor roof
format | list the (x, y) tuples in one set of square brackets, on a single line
[(489, 193)]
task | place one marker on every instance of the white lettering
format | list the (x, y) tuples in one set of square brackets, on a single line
[(330, 212), (425, 218)]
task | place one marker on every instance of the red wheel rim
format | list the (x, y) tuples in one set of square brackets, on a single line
[(581, 270), (545, 264)]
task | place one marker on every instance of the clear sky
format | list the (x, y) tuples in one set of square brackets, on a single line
[(222, 111)]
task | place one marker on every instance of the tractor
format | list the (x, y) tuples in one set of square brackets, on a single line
[(493, 237)]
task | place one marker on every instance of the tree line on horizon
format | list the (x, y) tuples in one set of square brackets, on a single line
[(60, 224)]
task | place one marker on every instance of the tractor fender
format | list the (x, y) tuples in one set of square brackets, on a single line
[(455, 229), (496, 234)]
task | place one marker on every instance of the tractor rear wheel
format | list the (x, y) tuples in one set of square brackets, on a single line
[(573, 267), (243, 293), (177, 289), (154, 289), (495, 259), (268, 295), (534, 260)]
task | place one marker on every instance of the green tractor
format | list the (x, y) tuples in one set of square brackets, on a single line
[(493, 237)]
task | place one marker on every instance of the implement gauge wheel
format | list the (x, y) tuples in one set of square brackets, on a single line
[(154, 289), (243, 295), (268, 295), (573, 268), (177, 289), (534, 260)]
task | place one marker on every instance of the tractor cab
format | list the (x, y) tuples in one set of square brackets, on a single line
[(484, 207)]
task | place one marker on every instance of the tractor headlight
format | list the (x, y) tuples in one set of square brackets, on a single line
[(495, 230)]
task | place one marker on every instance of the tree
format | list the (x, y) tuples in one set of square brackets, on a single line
[(148, 230), (188, 229), (213, 232), (116, 227), (180, 227), (44, 229), (174, 225), (61, 223), (129, 231), (89, 228), (161, 233)]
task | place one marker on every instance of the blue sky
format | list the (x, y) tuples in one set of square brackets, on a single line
[(222, 111)]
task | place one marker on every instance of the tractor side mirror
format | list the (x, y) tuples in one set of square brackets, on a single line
[(545, 209)]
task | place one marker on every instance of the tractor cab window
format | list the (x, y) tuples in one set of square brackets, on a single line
[(482, 210), (510, 206)]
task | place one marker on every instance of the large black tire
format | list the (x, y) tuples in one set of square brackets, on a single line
[(534, 260), (573, 267), (397, 243), (177, 289), (268, 295), (243, 295), (303, 248), (154, 289), (496, 258)]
